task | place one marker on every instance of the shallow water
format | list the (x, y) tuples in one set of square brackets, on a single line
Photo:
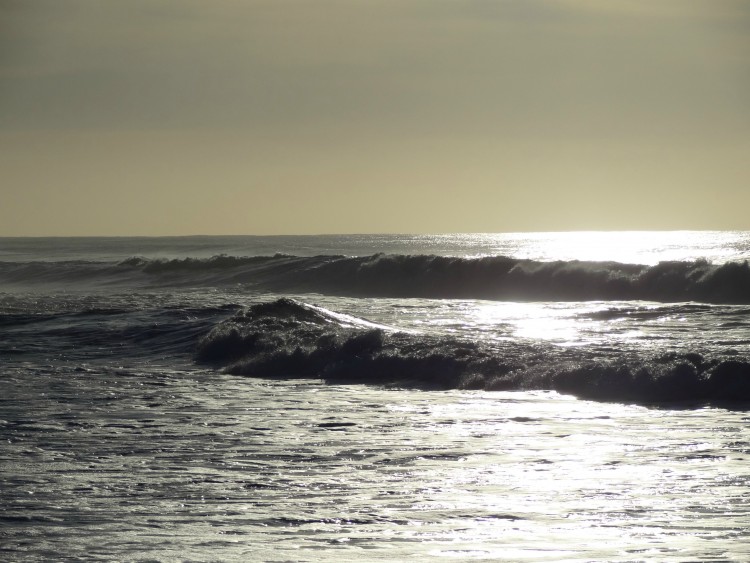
[(197, 465)]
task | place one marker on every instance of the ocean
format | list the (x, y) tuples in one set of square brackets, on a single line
[(499, 397)]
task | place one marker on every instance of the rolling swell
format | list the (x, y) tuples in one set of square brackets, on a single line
[(287, 338), (419, 276), (498, 278)]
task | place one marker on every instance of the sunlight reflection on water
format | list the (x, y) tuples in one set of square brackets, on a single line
[(630, 247), (598, 323), (132, 457), (290, 470)]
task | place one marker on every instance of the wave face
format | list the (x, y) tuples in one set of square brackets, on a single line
[(498, 278), (287, 338), (422, 276)]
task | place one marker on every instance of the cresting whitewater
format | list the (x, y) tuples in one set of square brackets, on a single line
[(130, 435)]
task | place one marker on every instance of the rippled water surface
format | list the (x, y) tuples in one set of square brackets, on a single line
[(125, 438), (176, 465)]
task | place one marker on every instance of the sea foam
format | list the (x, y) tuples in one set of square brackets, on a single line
[(288, 338)]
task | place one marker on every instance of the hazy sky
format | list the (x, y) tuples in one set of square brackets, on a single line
[(161, 117)]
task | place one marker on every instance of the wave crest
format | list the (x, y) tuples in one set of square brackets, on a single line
[(499, 278), (421, 276), (287, 338)]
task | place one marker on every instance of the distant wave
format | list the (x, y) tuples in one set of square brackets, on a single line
[(426, 276), (288, 338), (497, 278)]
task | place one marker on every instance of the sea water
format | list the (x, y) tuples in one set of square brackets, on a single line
[(515, 397)]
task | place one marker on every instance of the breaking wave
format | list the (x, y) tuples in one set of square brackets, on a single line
[(423, 276), (288, 338)]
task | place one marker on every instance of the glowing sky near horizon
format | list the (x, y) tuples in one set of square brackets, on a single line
[(169, 117)]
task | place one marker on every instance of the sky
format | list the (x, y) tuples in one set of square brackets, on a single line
[(180, 117)]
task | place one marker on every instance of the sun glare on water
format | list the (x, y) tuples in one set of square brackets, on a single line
[(542, 321), (629, 247)]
